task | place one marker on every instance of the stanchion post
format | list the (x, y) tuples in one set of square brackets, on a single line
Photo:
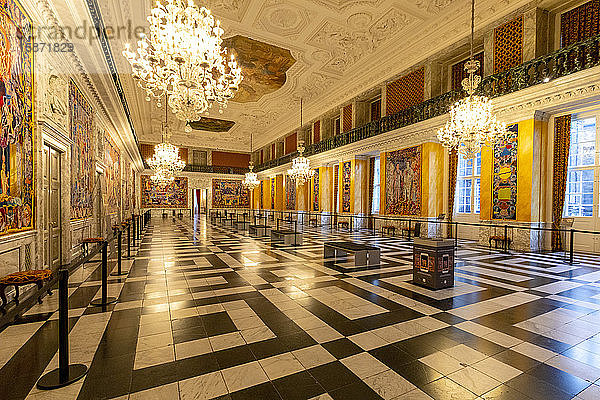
[(133, 229), (65, 374), (409, 226), (104, 300), (505, 239), (119, 255), (572, 234), (456, 235), (129, 240)]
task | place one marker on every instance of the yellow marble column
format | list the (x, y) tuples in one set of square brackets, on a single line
[(279, 193), (303, 196), (326, 186), (432, 180), (359, 199), (267, 193)]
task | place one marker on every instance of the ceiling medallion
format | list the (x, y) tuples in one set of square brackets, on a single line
[(251, 179), (472, 124), (182, 57), (300, 171)]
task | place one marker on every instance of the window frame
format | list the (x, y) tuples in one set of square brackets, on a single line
[(474, 177), (595, 168)]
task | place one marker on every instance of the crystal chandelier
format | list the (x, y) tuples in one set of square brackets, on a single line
[(300, 171), (251, 179), (182, 57), (166, 161), (472, 123)]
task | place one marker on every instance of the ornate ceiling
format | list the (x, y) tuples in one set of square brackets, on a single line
[(324, 51)]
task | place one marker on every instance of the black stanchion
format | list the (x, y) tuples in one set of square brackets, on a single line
[(133, 228), (104, 300), (66, 373), (456, 235), (128, 241), (571, 247), (505, 239), (119, 256)]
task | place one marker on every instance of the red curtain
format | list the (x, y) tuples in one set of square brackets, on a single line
[(562, 141)]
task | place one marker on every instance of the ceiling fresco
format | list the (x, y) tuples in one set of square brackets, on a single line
[(264, 67), (212, 125)]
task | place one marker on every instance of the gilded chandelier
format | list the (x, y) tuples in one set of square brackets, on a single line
[(472, 123), (251, 179), (182, 57), (165, 161), (300, 171)]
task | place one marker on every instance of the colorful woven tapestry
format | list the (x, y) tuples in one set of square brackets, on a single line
[(316, 190), (112, 176), (82, 154), (229, 193), (504, 181), (290, 193), (272, 193), (17, 204), (174, 195), (403, 181), (346, 185)]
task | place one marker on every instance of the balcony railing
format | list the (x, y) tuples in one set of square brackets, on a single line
[(215, 169), (574, 58)]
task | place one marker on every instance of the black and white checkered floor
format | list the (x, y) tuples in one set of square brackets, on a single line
[(209, 313)]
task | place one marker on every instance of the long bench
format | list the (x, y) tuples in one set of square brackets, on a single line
[(288, 237), (241, 225), (259, 230), (364, 255)]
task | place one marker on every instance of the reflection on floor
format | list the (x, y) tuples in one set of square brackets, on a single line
[(209, 313)]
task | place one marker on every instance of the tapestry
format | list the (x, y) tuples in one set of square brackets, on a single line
[(403, 181), (126, 185), (229, 193), (17, 136), (504, 180), (346, 185), (405, 92), (133, 197), (290, 193), (173, 195), (316, 190), (82, 154), (262, 193), (112, 176), (336, 184), (272, 193)]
